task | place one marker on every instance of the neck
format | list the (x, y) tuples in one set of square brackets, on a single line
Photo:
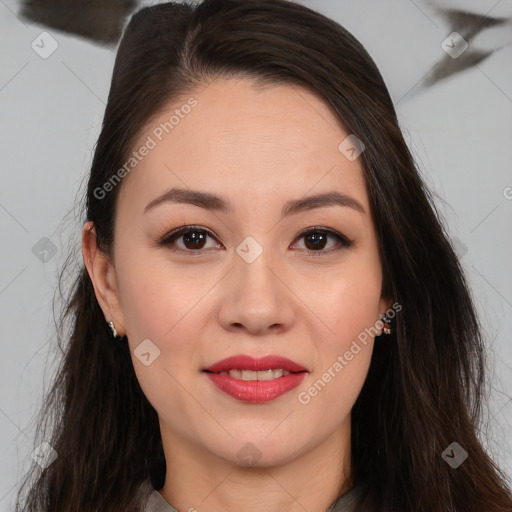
[(313, 480)]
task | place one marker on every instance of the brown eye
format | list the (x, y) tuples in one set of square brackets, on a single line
[(317, 239), (188, 238), (194, 239)]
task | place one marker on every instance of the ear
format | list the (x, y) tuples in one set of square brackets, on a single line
[(385, 304), (102, 273)]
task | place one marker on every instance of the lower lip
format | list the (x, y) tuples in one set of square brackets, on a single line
[(256, 391)]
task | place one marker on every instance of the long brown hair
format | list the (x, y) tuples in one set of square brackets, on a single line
[(425, 384)]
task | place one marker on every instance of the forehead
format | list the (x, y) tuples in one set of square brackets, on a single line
[(230, 137)]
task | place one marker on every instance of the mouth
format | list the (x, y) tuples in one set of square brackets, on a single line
[(255, 380), (247, 367), (270, 374)]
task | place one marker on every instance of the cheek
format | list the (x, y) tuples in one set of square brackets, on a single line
[(146, 305), (167, 306), (351, 314), (159, 306), (349, 307), (347, 299), (155, 300), (357, 306), (347, 302)]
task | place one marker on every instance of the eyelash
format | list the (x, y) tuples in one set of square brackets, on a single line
[(343, 242)]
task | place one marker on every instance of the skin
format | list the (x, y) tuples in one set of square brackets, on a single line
[(257, 148)]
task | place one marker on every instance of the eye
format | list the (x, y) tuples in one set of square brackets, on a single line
[(193, 239), (316, 239)]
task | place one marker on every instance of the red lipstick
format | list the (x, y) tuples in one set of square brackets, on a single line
[(243, 362), (236, 377)]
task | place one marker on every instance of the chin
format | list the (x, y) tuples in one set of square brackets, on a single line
[(261, 452)]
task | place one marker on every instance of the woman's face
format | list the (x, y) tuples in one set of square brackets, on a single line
[(265, 275)]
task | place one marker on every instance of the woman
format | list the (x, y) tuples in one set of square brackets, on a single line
[(270, 315)]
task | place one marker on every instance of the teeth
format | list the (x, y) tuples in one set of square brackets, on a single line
[(260, 375)]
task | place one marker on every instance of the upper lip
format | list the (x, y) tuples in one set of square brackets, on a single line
[(246, 362)]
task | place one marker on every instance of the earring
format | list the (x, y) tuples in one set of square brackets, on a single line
[(113, 329), (386, 327)]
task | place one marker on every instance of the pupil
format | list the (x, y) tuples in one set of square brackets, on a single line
[(194, 238), (316, 237)]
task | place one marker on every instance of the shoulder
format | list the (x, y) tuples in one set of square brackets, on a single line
[(348, 501), (144, 492), (150, 500)]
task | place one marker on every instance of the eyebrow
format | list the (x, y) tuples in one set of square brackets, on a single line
[(212, 202)]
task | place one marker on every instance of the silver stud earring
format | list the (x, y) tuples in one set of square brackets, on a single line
[(113, 329)]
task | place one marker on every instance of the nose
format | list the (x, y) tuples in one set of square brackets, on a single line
[(257, 298)]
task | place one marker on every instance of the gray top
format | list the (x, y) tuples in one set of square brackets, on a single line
[(152, 501)]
